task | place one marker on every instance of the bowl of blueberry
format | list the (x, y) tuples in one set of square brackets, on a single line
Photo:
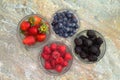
[(56, 58), (89, 46), (65, 23), (33, 30)]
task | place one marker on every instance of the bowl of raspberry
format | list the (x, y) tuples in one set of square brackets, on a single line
[(89, 46), (56, 58), (33, 30), (65, 23)]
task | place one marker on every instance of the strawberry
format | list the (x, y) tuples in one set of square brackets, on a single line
[(68, 56), (29, 40), (25, 25), (41, 37), (53, 46), (59, 60), (47, 65), (46, 50), (65, 63), (33, 31), (55, 54), (45, 56), (62, 48), (35, 20), (59, 68)]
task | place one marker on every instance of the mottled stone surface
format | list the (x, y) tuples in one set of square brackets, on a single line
[(18, 64)]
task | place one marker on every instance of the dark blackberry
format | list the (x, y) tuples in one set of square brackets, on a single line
[(98, 41), (87, 42), (77, 50), (92, 58), (93, 49), (83, 55), (91, 33), (78, 41)]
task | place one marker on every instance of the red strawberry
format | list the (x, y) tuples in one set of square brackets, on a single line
[(41, 37), (45, 56), (55, 54), (33, 31), (62, 48), (35, 20), (53, 46), (68, 56), (29, 40), (25, 25), (47, 65), (46, 50), (53, 63), (59, 68), (59, 60), (65, 63)]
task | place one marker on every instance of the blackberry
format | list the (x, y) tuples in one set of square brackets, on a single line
[(78, 41), (91, 33)]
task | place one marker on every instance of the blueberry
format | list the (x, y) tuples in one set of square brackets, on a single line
[(74, 20), (69, 15), (99, 41), (65, 35), (78, 41), (87, 42), (71, 33), (91, 33), (83, 55), (76, 26), (77, 50), (93, 49), (92, 58), (65, 19)]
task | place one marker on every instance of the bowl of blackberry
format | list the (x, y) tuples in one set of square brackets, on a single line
[(56, 58), (65, 23), (89, 46), (33, 30)]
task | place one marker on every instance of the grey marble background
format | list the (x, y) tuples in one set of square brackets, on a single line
[(18, 64)]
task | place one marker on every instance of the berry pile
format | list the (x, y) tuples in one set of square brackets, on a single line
[(65, 24), (34, 29), (56, 57), (88, 47)]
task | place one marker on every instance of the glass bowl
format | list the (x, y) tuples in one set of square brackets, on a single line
[(102, 47), (53, 72), (21, 36), (75, 15)]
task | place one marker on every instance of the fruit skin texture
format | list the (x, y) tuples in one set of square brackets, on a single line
[(29, 40), (35, 20), (68, 56), (62, 48), (46, 50), (25, 25), (55, 54), (41, 37), (59, 68), (53, 46), (47, 65), (33, 31)]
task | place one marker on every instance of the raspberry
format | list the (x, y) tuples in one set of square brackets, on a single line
[(55, 54), (68, 56), (62, 48), (53, 64), (47, 50), (65, 63), (47, 65), (59, 60), (58, 68), (45, 56), (53, 46)]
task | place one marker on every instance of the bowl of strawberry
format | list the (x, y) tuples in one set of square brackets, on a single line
[(56, 58), (33, 30)]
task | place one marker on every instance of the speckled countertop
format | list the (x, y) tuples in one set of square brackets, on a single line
[(18, 64)]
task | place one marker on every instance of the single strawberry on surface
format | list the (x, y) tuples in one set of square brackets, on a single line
[(25, 25), (33, 31), (35, 20), (41, 37), (29, 40)]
